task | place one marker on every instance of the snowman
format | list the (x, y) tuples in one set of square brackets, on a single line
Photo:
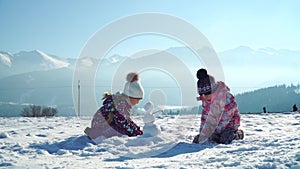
[(150, 129)]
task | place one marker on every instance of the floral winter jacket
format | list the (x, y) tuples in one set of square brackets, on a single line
[(219, 113), (113, 118)]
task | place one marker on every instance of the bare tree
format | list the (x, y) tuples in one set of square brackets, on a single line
[(49, 111), (38, 111), (26, 112)]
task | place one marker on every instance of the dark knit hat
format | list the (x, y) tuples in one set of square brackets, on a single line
[(206, 83)]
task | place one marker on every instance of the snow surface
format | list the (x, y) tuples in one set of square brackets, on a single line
[(271, 141)]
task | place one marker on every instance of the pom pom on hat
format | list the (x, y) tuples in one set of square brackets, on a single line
[(133, 87), (206, 84), (202, 73), (132, 77)]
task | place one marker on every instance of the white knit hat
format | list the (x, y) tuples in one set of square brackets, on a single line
[(133, 87)]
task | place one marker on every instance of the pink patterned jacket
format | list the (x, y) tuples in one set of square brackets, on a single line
[(219, 113)]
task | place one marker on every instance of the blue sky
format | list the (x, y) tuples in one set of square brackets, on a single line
[(62, 27)]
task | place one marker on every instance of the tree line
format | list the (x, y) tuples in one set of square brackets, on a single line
[(279, 98), (38, 111)]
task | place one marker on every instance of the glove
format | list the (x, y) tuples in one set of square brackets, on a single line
[(196, 139), (140, 132)]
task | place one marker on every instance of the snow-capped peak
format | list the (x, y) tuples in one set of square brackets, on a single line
[(56, 62), (38, 58), (115, 58), (5, 59)]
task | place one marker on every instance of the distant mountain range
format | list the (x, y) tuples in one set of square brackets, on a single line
[(23, 62), (35, 77)]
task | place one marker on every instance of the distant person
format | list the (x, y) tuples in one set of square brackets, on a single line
[(265, 109), (220, 117), (295, 108), (113, 118)]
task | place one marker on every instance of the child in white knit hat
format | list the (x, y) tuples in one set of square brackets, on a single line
[(113, 118)]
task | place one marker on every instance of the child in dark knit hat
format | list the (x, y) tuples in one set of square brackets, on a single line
[(113, 118), (220, 117)]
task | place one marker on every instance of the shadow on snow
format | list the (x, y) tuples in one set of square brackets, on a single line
[(72, 143), (178, 149), (183, 148)]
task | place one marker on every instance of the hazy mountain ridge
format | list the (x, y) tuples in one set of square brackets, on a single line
[(39, 88), (262, 57), (39, 78), (240, 57)]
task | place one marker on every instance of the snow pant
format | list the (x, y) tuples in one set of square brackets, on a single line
[(225, 137), (107, 131)]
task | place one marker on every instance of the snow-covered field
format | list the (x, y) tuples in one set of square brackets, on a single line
[(271, 141)]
